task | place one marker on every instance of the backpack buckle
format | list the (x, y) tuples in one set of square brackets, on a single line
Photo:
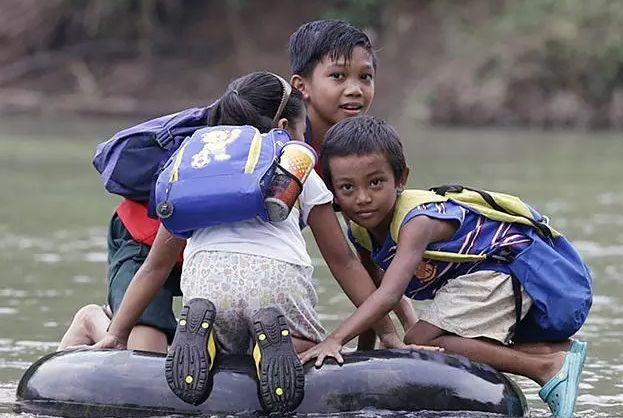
[(164, 209), (447, 188)]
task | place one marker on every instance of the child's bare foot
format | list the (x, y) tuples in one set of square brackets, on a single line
[(553, 364), (87, 327)]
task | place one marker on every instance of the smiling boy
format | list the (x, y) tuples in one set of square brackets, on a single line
[(333, 65), (506, 288)]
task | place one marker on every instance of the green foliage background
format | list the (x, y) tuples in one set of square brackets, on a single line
[(485, 61)]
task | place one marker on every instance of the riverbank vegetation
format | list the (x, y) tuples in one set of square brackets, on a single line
[(543, 63)]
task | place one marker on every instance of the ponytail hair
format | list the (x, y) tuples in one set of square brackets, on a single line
[(256, 99)]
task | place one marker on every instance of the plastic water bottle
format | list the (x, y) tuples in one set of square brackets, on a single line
[(296, 161)]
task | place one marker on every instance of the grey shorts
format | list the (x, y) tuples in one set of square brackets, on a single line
[(479, 304)]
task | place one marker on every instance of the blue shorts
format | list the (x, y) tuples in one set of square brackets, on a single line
[(125, 257)]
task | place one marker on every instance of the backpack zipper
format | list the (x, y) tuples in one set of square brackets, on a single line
[(165, 208), (254, 153), (176, 166)]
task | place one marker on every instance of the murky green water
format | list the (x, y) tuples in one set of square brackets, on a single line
[(53, 216)]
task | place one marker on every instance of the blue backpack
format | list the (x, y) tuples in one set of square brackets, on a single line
[(217, 176), (129, 162)]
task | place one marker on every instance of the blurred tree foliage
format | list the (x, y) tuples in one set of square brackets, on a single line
[(478, 61), (578, 42), (140, 26), (362, 13), (149, 26), (562, 57)]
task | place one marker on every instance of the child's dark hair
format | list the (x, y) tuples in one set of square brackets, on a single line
[(314, 40), (362, 135), (254, 100)]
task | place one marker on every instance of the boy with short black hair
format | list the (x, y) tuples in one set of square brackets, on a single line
[(333, 65), (506, 288), (314, 41)]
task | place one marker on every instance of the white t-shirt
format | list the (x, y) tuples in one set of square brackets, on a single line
[(279, 240)]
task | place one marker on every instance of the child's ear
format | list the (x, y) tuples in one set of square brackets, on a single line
[(300, 83), (282, 124), (402, 181)]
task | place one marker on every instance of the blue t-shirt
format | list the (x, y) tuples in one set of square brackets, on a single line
[(475, 234)]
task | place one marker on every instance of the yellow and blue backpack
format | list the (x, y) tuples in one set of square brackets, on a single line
[(130, 161), (550, 269), (217, 176)]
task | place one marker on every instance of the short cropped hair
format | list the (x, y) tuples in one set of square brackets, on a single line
[(334, 38), (362, 135)]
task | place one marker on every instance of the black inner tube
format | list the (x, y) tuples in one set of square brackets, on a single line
[(95, 383)]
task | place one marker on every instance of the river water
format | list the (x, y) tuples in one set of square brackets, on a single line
[(54, 212)]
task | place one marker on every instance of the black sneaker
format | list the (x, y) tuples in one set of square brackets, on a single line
[(191, 356), (279, 370)]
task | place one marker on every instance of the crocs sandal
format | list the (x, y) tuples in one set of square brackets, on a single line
[(279, 370), (578, 346), (561, 391), (191, 355)]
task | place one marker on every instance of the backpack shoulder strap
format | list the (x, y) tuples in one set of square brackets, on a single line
[(361, 236), (406, 202), (496, 206)]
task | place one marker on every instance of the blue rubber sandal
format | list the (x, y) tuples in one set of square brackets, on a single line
[(578, 346), (561, 391)]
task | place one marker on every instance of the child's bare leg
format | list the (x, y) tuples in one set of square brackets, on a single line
[(301, 344), (543, 348), (87, 327), (538, 367), (423, 332), (147, 338), (366, 340)]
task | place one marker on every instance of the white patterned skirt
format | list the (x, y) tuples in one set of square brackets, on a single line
[(241, 284)]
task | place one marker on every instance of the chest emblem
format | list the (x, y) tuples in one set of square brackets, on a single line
[(425, 271)]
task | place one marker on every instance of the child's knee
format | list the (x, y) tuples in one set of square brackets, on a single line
[(85, 315), (413, 338), (423, 333), (86, 311)]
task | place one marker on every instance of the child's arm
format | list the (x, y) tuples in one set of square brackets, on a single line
[(367, 339), (146, 283), (347, 268), (405, 313), (414, 237), (404, 310)]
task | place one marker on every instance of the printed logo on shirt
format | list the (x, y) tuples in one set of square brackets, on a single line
[(425, 271)]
